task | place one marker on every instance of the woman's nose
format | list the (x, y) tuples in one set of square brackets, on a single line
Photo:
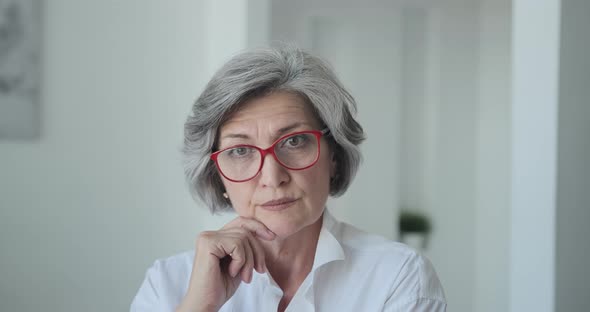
[(272, 173)]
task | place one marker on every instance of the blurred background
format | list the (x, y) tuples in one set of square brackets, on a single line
[(476, 113)]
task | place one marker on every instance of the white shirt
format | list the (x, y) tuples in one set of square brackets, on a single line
[(352, 271)]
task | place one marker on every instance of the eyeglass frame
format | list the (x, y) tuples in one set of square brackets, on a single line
[(270, 150)]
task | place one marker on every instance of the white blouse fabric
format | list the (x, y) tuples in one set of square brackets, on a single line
[(352, 271)]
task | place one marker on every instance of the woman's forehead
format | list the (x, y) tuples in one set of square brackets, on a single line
[(275, 112)]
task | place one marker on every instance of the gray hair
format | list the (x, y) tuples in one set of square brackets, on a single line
[(254, 74)]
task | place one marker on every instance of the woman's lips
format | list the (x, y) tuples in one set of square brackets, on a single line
[(279, 204)]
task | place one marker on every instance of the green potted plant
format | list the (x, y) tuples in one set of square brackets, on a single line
[(414, 228)]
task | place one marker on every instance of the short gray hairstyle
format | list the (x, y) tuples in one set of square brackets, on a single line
[(257, 73)]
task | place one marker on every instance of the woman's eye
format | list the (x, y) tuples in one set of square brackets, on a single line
[(295, 141), (239, 151)]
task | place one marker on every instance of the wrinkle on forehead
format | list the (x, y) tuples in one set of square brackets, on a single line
[(269, 115)]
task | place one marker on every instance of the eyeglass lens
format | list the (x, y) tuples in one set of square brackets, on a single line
[(293, 152)]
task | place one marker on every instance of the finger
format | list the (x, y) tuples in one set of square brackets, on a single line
[(259, 255), (253, 226), (238, 256), (255, 245), (246, 273), (217, 245), (209, 242)]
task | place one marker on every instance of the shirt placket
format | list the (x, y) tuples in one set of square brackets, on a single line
[(301, 302)]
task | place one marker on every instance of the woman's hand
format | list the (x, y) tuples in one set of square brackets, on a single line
[(223, 259)]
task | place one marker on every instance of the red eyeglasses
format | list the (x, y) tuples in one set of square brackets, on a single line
[(294, 151)]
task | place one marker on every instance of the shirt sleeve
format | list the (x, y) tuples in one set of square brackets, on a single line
[(417, 289), (418, 305), (147, 298)]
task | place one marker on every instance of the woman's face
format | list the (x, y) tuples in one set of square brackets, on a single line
[(284, 200)]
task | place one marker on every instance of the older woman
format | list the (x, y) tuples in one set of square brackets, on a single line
[(271, 137)]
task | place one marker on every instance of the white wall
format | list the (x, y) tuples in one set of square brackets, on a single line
[(573, 170), (85, 209), (453, 177), (492, 222), (535, 59)]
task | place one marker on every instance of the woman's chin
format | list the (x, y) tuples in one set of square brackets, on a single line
[(283, 229), (286, 227)]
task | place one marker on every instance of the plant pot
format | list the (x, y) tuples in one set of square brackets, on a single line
[(415, 240)]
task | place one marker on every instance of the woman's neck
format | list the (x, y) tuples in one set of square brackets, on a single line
[(290, 260)]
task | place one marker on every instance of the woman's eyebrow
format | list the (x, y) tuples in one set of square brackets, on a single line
[(235, 136), (281, 132), (289, 128)]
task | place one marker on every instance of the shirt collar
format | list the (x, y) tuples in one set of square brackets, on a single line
[(328, 248)]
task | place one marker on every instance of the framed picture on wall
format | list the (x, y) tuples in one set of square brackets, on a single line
[(20, 48)]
